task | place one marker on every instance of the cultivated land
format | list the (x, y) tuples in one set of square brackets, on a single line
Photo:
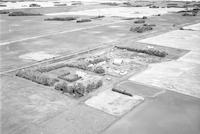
[(157, 73)]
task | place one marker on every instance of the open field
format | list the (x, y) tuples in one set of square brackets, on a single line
[(18, 38), (99, 76)]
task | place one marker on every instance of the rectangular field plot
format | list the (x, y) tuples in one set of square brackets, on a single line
[(139, 89), (87, 72), (114, 103), (182, 75)]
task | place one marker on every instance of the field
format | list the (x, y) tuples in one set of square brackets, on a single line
[(58, 75)]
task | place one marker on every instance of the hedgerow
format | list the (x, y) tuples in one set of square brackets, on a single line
[(19, 13), (150, 51), (61, 19), (37, 77), (48, 68)]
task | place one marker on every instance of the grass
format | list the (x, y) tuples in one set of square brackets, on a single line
[(69, 77)]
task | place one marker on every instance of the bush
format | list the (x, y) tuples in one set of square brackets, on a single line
[(99, 70), (155, 52), (84, 65), (139, 21), (78, 64), (97, 60), (141, 29), (191, 13), (195, 10), (144, 17), (154, 6), (181, 28), (81, 87), (172, 5), (98, 17), (138, 6), (1, 5), (19, 13), (37, 77), (150, 51), (182, 11), (59, 5), (61, 19), (4, 12), (64, 87), (85, 86), (83, 20), (77, 3), (128, 4), (94, 85), (34, 5), (110, 3)]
